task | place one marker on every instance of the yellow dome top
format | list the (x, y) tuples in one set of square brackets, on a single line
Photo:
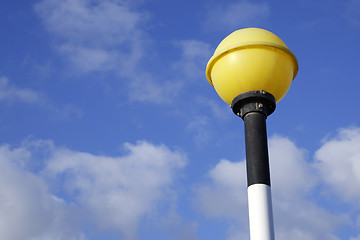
[(248, 59)]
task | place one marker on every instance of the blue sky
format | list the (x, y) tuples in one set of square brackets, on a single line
[(110, 130)]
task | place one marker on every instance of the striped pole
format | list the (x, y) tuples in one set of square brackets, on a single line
[(254, 107)]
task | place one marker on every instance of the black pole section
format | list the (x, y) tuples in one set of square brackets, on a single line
[(257, 160), (254, 107)]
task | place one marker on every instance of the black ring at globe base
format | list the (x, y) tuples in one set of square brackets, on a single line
[(254, 107), (253, 101)]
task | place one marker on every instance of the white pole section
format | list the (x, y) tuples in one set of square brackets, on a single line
[(260, 212)]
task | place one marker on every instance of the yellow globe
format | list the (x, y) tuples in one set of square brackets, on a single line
[(251, 59)]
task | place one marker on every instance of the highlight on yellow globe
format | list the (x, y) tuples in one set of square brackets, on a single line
[(251, 59)]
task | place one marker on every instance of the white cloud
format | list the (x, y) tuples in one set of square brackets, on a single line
[(338, 162), (107, 36), (236, 15), (291, 173), (110, 36), (95, 35), (224, 197), (107, 21), (293, 179), (88, 59), (109, 193), (118, 191), (28, 210), (10, 92)]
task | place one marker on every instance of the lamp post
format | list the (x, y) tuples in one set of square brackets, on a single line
[(251, 70)]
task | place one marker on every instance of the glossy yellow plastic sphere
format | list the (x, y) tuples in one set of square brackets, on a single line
[(251, 59)]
